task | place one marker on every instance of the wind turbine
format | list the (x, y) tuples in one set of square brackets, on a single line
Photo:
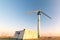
[(39, 12)]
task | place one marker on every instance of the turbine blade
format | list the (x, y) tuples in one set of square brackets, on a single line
[(46, 15), (32, 11)]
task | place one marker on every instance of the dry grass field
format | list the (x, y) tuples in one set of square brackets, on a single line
[(41, 38), (46, 38), (49, 38)]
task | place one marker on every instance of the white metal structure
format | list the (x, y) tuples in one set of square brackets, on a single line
[(26, 34)]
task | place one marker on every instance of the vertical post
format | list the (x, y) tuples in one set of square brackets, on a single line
[(38, 24)]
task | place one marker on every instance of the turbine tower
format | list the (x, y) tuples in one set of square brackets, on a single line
[(38, 23)]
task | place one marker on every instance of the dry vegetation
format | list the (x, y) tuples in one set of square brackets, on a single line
[(46, 38), (41, 38), (49, 38), (6, 37)]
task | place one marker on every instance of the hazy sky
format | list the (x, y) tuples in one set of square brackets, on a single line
[(13, 16)]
